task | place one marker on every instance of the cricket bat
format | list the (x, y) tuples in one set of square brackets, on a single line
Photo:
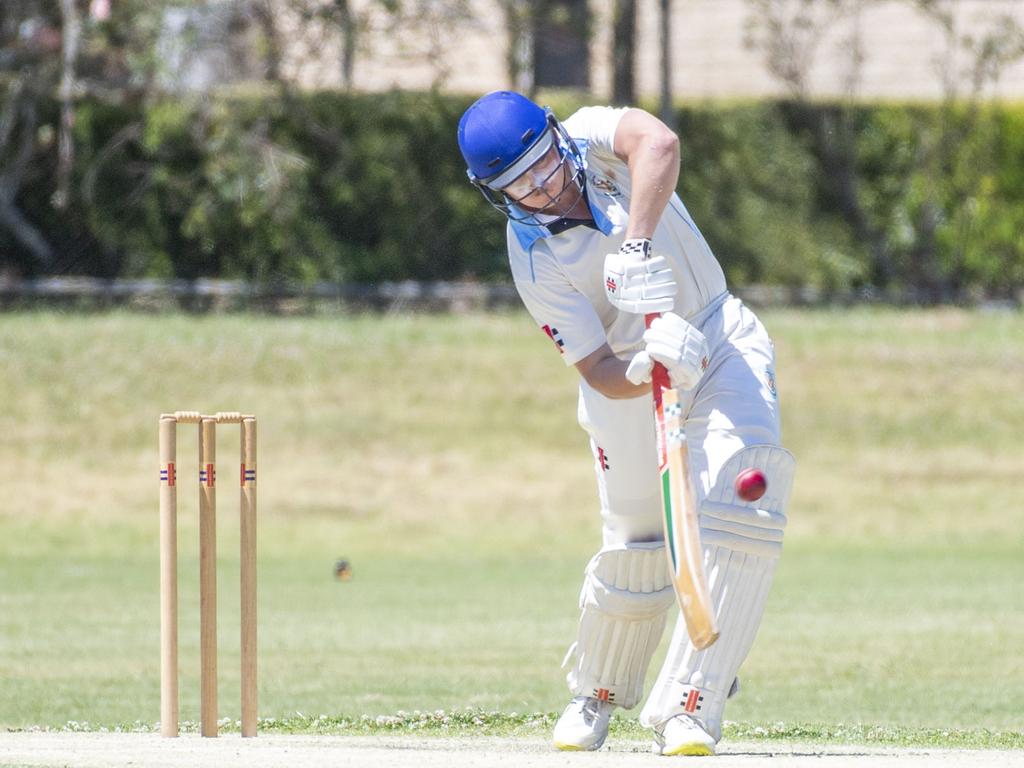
[(681, 521)]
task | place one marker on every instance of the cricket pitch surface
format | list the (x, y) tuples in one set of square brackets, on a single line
[(117, 750)]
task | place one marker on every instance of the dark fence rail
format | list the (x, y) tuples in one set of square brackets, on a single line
[(237, 295), (208, 295)]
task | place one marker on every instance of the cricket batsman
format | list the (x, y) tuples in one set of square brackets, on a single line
[(597, 238)]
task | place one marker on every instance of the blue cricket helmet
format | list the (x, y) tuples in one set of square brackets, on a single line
[(498, 130), (501, 136)]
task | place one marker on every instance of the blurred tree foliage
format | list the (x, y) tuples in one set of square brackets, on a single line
[(371, 187)]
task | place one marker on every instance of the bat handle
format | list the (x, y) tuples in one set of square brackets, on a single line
[(659, 376), (660, 381)]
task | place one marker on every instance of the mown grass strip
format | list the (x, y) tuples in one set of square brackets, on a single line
[(859, 733), (472, 722)]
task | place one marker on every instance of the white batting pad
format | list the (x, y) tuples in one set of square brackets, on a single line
[(626, 594), (742, 541)]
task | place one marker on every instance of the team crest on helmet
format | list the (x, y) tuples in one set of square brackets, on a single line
[(605, 186)]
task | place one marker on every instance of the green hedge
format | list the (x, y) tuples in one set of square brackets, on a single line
[(328, 186)]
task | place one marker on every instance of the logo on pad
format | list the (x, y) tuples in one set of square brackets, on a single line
[(693, 700)]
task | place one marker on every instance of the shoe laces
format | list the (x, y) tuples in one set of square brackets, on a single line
[(590, 709), (688, 721)]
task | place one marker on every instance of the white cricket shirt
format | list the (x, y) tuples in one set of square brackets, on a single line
[(561, 277)]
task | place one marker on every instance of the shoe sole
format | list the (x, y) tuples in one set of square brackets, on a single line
[(562, 747), (690, 750)]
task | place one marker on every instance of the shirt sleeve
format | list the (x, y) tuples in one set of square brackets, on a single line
[(596, 126), (561, 311)]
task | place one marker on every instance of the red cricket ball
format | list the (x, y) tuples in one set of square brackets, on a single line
[(751, 484)]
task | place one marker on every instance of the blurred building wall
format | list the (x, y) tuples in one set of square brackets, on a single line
[(904, 54)]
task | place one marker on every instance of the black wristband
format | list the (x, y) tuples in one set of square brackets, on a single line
[(637, 246)]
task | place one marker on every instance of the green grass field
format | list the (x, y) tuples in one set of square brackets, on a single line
[(440, 455)]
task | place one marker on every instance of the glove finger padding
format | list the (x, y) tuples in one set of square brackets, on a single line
[(644, 306), (680, 347), (665, 353), (652, 266), (672, 324), (650, 291)]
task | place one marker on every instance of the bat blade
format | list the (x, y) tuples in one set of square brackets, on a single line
[(681, 521), (682, 525)]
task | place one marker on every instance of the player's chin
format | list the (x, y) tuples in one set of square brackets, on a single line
[(568, 197), (559, 205)]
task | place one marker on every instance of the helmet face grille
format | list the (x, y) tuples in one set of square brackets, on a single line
[(570, 159)]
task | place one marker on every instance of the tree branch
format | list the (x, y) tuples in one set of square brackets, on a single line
[(72, 35), (10, 182)]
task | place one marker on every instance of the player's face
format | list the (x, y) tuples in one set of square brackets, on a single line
[(543, 184)]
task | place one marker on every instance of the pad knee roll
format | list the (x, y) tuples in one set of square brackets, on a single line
[(626, 593), (753, 527)]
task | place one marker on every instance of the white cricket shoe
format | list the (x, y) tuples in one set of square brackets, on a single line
[(583, 725), (683, 735)]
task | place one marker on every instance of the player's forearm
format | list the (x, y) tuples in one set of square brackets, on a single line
[(607, 375), (654, 171)]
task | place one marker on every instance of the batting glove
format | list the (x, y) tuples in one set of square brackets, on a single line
[(635, 281), (677, 345), (640, 368)]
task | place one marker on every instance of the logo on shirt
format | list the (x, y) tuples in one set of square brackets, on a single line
[(602, 459), (605, 186), (555, 337), (769, 377)]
